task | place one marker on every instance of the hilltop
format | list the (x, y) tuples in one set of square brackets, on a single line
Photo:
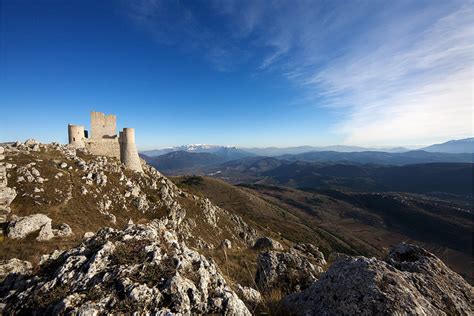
[(84, 234)]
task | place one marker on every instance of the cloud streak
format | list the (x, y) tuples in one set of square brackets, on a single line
[(400, 73)]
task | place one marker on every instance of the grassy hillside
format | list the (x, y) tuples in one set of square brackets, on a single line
[(355, 223)]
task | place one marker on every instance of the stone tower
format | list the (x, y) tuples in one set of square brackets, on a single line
[(128, 150), (103, 126), (76, 135)]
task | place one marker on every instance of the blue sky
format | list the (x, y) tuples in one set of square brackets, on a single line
[(245, 73)]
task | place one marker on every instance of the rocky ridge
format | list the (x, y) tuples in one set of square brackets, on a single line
[(411, 281), (143, 268)]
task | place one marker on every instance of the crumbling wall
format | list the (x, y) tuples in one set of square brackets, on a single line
[(104, 147), (103, 126)]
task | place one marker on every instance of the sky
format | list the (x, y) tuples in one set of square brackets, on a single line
[(241, 73)]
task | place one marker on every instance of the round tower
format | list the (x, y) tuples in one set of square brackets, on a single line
[(76, 135), (128, 150)]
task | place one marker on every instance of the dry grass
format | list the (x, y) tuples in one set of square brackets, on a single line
[(79, 211)]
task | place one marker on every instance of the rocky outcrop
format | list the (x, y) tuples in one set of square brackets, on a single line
[(267, 243), (411, 282), (143, 268), (21, 227), (288, 271), (15, 266), (7, 195), (250, 296)]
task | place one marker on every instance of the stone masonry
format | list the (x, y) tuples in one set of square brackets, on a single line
[(104, 140)]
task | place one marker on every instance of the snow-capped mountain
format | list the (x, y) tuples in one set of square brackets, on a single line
[(226, 152)]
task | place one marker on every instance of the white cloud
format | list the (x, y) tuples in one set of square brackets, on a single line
[(415, 88)]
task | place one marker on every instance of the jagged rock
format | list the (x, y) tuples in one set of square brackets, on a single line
[(250, 296), (288, 271), (14, 266), (35, 172), (244, 231), (88, 235), (31, 142), (21, 227), (64, 230), (411, 282), (84, 191), (52, 256), (226, 243), (63, 165), (210, 211), (141, 203), (267, 243), (143, 268), (46, 232), (7, 195)]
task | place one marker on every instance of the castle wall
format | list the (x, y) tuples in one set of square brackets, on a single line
[(103, 126), (128, 150), (104, 147), (105, 142)]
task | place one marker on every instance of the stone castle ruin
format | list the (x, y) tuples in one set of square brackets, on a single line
[(104, 141)]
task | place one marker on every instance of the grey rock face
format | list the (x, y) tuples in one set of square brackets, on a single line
[(226, 244), (7, 195), (63, 230), (23, 226), (249, 295), (267, 243), (14, 266), (411, 282), (143, 268), (288, 271)]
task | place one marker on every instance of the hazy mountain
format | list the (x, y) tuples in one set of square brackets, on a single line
[(230, 152), (278, 151), (381, 158), (453, 146), (225, 152), (451, 178), (182, 161)]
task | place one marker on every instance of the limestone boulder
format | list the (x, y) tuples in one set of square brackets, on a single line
[(250, 296), (23, 226), (14, 266), (267, 243), (411, 282), (46, 232), (7, 195), (64, 230), (226, 244), (289, 271)]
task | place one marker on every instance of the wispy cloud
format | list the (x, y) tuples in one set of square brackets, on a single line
[(400, 72)]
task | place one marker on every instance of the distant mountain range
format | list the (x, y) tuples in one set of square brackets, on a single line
[(453, 146), (225, 152), (182, 160), (380, 157), (229, 153), (276, 151)]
